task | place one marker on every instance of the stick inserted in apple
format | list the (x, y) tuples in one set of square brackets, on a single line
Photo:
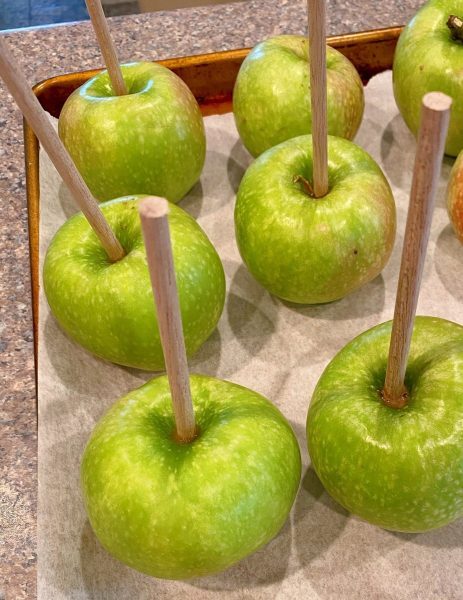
[(148, 139), (271, 98), (186, 475), (385, 424), (314, 225), (95, 274)]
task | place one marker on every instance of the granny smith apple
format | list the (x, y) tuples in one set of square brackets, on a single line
[(149, 141), (455, 197), (313, 250), (271, 98), (108, 308), (175, 510), (429, 58), (401, 469)]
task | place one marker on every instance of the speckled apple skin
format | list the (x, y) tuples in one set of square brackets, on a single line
[(399, 469), (150, 141), (308, 250), (427, 59), (455, 197), (271, 98), (108, 308), (185, 510)]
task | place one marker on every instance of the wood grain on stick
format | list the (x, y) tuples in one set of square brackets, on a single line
[(106, 44), (435, 114), (43, 129), (317, 56), (153, 214)]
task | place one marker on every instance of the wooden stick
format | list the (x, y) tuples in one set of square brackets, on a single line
[(108, 50), (317, 51), (435, 114), (153, 214), (37, 118)]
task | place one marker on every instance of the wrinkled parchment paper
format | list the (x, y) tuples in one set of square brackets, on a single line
[(278, 350)]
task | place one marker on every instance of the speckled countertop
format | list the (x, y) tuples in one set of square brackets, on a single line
[(50, 51)]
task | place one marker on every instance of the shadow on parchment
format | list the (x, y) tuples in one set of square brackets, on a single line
[(214, 195), (219, 180), (206, 361), (251, 325), (67, 203), (367, 300), (60, 347), (105, 577), (193, 201), (398, 147), (316, 521), (448, 260), (254, 315), (450, 536), (264, 567), (238, 161)]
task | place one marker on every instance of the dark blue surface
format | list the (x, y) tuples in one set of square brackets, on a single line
[(30, 13)]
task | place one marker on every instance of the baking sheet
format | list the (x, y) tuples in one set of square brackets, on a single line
[(276, 349)]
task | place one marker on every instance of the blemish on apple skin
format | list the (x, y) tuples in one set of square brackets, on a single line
[(421, 67), (356, 251)]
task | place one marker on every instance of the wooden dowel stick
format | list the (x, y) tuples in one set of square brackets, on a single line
[(317, 50), (153, 214), (38, 120), (106, 44), (435, 114)]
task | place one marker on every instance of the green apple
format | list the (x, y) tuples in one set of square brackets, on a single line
[(314, 250), (149, 141), (455, 197), (108, 308), (401, 469), (271, 98), (175, 510), (429, 58)]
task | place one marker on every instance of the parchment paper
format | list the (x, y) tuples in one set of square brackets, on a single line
[(277, 350)]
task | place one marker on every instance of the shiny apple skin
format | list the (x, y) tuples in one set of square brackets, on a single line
[(271, 98), (176, 510), (400, 469), (150, 141), (108, 308), (314, 250), (427, 59)]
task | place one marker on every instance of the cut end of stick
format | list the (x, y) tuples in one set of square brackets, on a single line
[(437, 101), (153, 207)]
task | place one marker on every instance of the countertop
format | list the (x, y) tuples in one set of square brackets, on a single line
[(43, 53)]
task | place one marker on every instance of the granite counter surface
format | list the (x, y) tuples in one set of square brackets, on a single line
[(43, 53)]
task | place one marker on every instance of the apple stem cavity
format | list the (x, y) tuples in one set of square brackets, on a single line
[(153, 215), (317, 52), (455, 24), (106, 44), (308, 189), (435, 115), (30, 107)]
